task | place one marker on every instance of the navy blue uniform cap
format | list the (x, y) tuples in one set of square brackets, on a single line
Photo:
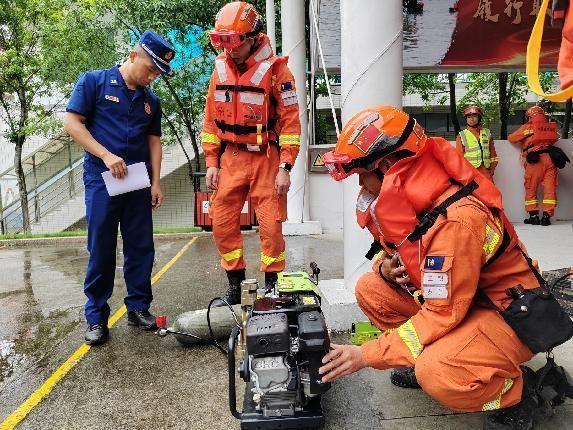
[(160, 51)]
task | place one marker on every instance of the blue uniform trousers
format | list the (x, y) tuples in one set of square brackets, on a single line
[(132, 213)]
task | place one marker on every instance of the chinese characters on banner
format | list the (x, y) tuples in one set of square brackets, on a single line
[(495, 33)]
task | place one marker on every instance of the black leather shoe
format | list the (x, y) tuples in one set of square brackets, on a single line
[(519, 416), (233, 294), (271, 279), (404, 377), (142, 319), (545, 219), (97, 334), (533, 219)]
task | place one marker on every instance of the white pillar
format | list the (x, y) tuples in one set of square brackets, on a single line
[(270, 18), (294, 46), (371, 67)]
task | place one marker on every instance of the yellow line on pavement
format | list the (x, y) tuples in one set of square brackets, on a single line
[(41, 393)]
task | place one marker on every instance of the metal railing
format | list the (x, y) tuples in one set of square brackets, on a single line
[(43, 199)]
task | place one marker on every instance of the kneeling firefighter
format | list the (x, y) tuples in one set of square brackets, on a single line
[(541, 160), (448, 289), (251, 138)]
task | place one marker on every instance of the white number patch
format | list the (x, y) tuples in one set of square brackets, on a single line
[(435, 278), (435, 291)]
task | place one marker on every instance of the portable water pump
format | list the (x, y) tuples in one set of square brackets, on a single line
[(281, 343), (279, 339)]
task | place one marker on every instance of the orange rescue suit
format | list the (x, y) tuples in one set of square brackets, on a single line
[(487, 172), (253, 111), (535, 135), (464, 354)]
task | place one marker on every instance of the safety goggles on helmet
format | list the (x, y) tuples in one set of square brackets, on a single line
[(472, 110), (341, 166), (227, 39)]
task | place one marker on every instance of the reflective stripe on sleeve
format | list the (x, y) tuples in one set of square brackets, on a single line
[(289, 139), (407, 333), (210, 138)]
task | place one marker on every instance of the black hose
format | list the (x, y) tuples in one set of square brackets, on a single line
[(231, 363)]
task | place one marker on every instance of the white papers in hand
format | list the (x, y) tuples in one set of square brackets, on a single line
[(137, 178)]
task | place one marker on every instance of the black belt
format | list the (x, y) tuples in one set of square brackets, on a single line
[(245, 147), (239, 129), (240, 88)]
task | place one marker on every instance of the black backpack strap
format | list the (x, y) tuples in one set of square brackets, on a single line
[(429, 219), (374, 249), (540, 280)]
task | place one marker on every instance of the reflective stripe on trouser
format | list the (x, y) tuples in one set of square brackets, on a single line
[(272, 264), (542, 173), (465, 369), (253, 174)]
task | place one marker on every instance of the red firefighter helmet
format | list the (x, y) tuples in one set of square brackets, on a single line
[(369, 137), (473, 110), (535, 110), (234, 23)]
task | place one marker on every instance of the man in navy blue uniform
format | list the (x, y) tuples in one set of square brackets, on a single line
[(116, 118)]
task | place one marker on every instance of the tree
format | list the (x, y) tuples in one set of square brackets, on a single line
[(566, 120), (30, 57), (431, 87), (499, 94), (453, 103), (182, 22)]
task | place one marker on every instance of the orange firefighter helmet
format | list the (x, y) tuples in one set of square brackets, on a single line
[(473, 110), (369, 137), (535, 110), (234, 23)]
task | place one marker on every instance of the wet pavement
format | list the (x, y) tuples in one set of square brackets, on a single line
[(140, 381)]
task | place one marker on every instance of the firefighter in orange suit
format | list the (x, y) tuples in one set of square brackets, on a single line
[(476, 143), (251, 138), (437, 331), (535, 137)]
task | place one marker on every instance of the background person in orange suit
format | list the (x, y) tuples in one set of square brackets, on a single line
[(535, 136), (476, 143), (423, 291), (251, 138)]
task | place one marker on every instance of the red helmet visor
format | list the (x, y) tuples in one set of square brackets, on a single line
[(340, 166), (226, 39)]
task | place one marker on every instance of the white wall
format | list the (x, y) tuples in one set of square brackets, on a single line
[(326, 202), (326, 194)]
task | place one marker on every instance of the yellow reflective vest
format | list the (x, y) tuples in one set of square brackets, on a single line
[(477, 151)]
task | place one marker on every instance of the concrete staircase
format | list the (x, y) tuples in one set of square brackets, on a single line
[(73, 210)]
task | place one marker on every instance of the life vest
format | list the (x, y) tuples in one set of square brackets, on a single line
[(414, 185), (243, 110), (543, 131), (477, 151), (365, 215)]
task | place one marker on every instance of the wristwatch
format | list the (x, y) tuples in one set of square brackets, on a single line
[(286, 166)]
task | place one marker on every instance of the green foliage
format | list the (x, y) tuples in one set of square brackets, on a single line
[(431, 87), (482, 89), (323, 127), (43, 44)]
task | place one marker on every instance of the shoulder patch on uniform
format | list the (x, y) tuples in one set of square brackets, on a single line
[(286, 86), (434, 262)]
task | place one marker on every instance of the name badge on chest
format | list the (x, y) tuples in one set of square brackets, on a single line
[(112, 98)]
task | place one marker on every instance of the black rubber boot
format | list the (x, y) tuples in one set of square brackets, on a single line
[(545, 219), (519, 416), (233, 294), (404, 377), (270, 280), (533, 218)]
